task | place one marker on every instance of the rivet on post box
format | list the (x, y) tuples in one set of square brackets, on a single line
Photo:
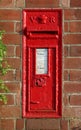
[(42, 63)]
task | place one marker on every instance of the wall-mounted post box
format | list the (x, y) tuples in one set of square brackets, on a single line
[(42, 63)]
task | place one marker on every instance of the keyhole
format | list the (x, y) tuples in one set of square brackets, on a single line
[(38, 82)]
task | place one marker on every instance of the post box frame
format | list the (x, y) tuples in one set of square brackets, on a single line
[(26, 72)]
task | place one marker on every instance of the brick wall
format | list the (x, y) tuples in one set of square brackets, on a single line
[(11, 20)]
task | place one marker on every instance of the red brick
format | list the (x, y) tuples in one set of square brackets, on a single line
[(18, 27), (14, 87), (66, 75), (66, 51), (42, 3), (64, 125), (44, 124), (75, 124), (19, 124), (18, 51), (65, 3), (75, 3), (7, 124), (9, 14), (9, 111), (18, 98), (72, 14), (12, 39), (75, 100), (10, 76), (72, 39), (75, 26), (75, 75), (72, 112), (35, 124), (10, 100), (18, 75), (10, 51), (75, 51), (66, 27), (7, 26), (7, 3), (14, 62), (72, 87), (20, 3), (51, 124), (72, 63), (66, 100)]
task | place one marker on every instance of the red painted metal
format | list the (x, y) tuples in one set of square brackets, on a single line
[(42, 93)]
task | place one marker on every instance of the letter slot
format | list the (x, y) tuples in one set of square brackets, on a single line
[(42, 63)]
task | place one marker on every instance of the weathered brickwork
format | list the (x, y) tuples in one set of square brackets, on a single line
[(11, 22)]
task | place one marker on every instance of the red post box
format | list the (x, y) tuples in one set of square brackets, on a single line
[(42, 63)]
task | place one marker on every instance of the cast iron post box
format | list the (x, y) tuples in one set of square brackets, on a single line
[(42, 63)]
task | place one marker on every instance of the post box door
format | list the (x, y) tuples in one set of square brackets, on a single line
[(43, 75)]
